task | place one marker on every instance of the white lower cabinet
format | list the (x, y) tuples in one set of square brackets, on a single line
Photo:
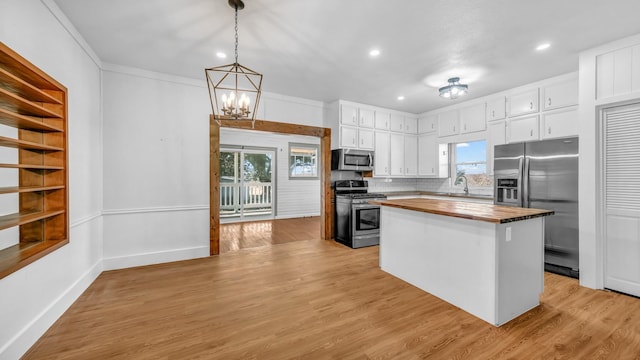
[(397, 154), (427, 155), (560, 124), (523, 129), (381, 154), (411, 155)]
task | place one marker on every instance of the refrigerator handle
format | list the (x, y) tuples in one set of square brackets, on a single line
[(525, 185)]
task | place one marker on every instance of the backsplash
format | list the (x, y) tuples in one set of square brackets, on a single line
[(421, 184), (389, 185)]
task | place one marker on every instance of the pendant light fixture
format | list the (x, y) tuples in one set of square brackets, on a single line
[(234, 90), (454, 89)]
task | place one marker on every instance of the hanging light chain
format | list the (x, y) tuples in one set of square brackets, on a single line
[(236, 34)]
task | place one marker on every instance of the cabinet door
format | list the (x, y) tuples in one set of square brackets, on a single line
[(523, 129), (497, 109), (523, 103), (560, 124), (382, 120), (410, 155), (397, 155), (560, 94), (397, 123), (348, 137), (381, 154), (348, 115), (427, 155), (366, 118), (427, 124), (410, 125), (496, 135), (365, 139), (448, 123), (472, 119)]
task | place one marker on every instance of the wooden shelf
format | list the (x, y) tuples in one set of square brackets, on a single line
[(27, 145), (36, 105), (11, 220), (23, 189), (24, 89), (13, 102), (31, 167), (10, 118)]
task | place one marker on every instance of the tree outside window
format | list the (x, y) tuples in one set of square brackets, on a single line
[(470, 160), (303, 161)]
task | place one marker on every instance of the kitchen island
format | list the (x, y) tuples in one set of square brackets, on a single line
[(485, 259)]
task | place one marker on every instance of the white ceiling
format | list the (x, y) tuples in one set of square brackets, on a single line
[(318, 49)]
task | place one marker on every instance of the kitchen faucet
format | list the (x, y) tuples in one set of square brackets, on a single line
[(466, 183)]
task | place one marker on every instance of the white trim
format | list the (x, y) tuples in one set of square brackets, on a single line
[(156, 257), (292, 99), (129, 70), (73, 32), (85, 220), (154, 209), (27, 336)]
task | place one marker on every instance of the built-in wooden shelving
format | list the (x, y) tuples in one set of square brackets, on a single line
[(35, 104)]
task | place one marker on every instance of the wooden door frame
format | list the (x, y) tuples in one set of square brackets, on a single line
[(275, 127)]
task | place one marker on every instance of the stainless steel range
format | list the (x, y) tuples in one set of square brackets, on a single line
[(357, 221)]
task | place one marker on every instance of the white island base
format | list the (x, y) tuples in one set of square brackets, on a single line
[(494, 271)]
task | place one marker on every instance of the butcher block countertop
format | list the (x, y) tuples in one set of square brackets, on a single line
[(467, 210)]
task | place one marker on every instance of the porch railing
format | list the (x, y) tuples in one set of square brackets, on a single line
[(255, 195)]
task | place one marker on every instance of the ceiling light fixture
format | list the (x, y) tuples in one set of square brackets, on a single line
[(543, 46), (221, 55), (374, 52), (454, 89), (400, 97), (243, 85)]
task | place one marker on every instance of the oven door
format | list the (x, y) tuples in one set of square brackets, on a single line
[(365, 219)]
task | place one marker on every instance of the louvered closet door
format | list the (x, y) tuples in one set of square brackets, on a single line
[(622, 198)]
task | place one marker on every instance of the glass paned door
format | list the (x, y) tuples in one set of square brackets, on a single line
[(246, 182)]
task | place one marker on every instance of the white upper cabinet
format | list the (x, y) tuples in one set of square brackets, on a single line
[(448, 123), (560, 123), (427, 155), (366, 118), (348, 115), (523, 129), (381, 154), (411, 155), (410, 125), (560, 94), (348, 137), (523, 103), (365, 139), (428, 124), (618, 72), (396, 157), (497, 108), (472, 119), (397, 123), (382, 120)]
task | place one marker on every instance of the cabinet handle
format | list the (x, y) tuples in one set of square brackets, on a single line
[(432, 171), (465, 126), (531, 105), (493, 113), (531, 133), (549, 102), (386, 125), (431, 126), (549, 130), (454, 128), (353, 141)]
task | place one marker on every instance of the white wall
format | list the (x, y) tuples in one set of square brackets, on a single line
[(591, 239), (294, 198), (32, 298), (156, 164)]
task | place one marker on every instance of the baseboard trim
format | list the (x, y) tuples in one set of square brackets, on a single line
[(123, 262), (25, 338), (154, 209)]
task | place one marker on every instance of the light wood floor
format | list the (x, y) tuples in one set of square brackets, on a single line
[(235, 236), (317, 299)]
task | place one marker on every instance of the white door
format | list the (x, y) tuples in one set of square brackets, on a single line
[(621, 207)]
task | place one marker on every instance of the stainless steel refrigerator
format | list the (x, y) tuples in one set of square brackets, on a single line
[(544, 175)]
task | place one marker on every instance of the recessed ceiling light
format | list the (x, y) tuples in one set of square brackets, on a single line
[(543, 46), (400, 97), (221, 55), (374, 52)]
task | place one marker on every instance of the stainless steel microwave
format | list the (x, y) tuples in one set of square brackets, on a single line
[(351, 159)]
